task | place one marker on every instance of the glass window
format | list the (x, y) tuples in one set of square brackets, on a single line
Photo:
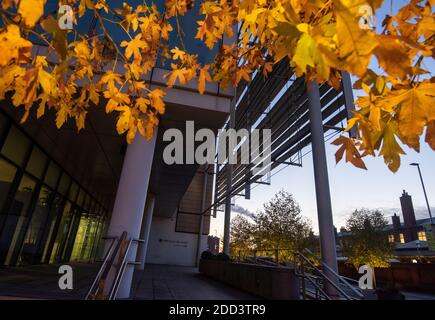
[(87, 202), (37, 162), (74, 189), (71, 236), (52, 175), (81, 197), (90, 236), (92, 208), (422, 236), (16, 146), (35, 232), (7, 175), (97, 210), (51, 227), (17, 220), (80, 238), (402, 238), (391, 238), (62, 233), (64, 183)]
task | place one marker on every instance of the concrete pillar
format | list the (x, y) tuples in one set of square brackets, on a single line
[(130, 199), (201, 220), (323, 197), (145, 231)]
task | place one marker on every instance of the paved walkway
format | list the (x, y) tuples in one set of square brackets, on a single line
[(155, 282), (41, 282), (159, 282)]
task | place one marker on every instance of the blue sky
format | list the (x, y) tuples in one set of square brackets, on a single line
[(352, 188)]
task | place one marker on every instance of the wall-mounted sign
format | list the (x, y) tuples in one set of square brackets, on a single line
[(175, 243)]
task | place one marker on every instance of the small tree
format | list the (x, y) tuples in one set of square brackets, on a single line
[(368, 244), (241, 235), (281, 226)]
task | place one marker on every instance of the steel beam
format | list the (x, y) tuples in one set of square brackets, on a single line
[(323, 197)]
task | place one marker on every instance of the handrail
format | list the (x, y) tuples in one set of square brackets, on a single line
[(121, 252), (343, 279), (326, 277), (103, 265), (120, 273), (105, 269), (318, 288)]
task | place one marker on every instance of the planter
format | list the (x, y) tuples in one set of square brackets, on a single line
[(276, 283)]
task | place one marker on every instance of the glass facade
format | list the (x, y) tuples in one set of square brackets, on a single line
[(45, 215)]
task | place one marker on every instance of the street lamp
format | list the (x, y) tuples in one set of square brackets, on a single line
[(424, 189)]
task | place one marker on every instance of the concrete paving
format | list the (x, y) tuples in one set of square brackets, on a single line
[(155, 282), (41, 282), (159, 282)]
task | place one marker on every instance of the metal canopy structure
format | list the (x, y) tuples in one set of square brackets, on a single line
[(280, 103), (297, 115)]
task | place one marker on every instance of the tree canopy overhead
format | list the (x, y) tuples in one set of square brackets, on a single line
[(319, 38)]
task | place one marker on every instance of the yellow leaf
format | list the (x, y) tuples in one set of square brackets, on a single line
[(177, 54), (393, 56), (391, 150), (355, 44), (204, 76), (156, 99), (80, 120), (133, 47), (12, 46), (430, 134), (352, 154), (61, 116), (312, 52), (41, 108), (142, 104), (8, 76), (177, 74), (123, 123), (31, 11), (416, 108), (94, 95)]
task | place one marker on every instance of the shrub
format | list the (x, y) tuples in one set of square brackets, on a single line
[(207, 255), (223, 257)]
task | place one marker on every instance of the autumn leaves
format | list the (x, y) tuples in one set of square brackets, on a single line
[(319, 38), (399, 104)]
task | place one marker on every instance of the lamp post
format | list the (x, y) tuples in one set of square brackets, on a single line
[(424, 189)]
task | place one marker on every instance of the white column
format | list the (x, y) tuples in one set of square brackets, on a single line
[(145, 231), (130, 199), (201, 219)]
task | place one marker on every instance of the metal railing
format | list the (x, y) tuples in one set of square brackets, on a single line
[(105, 286), (317, 278), (314, 274)]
